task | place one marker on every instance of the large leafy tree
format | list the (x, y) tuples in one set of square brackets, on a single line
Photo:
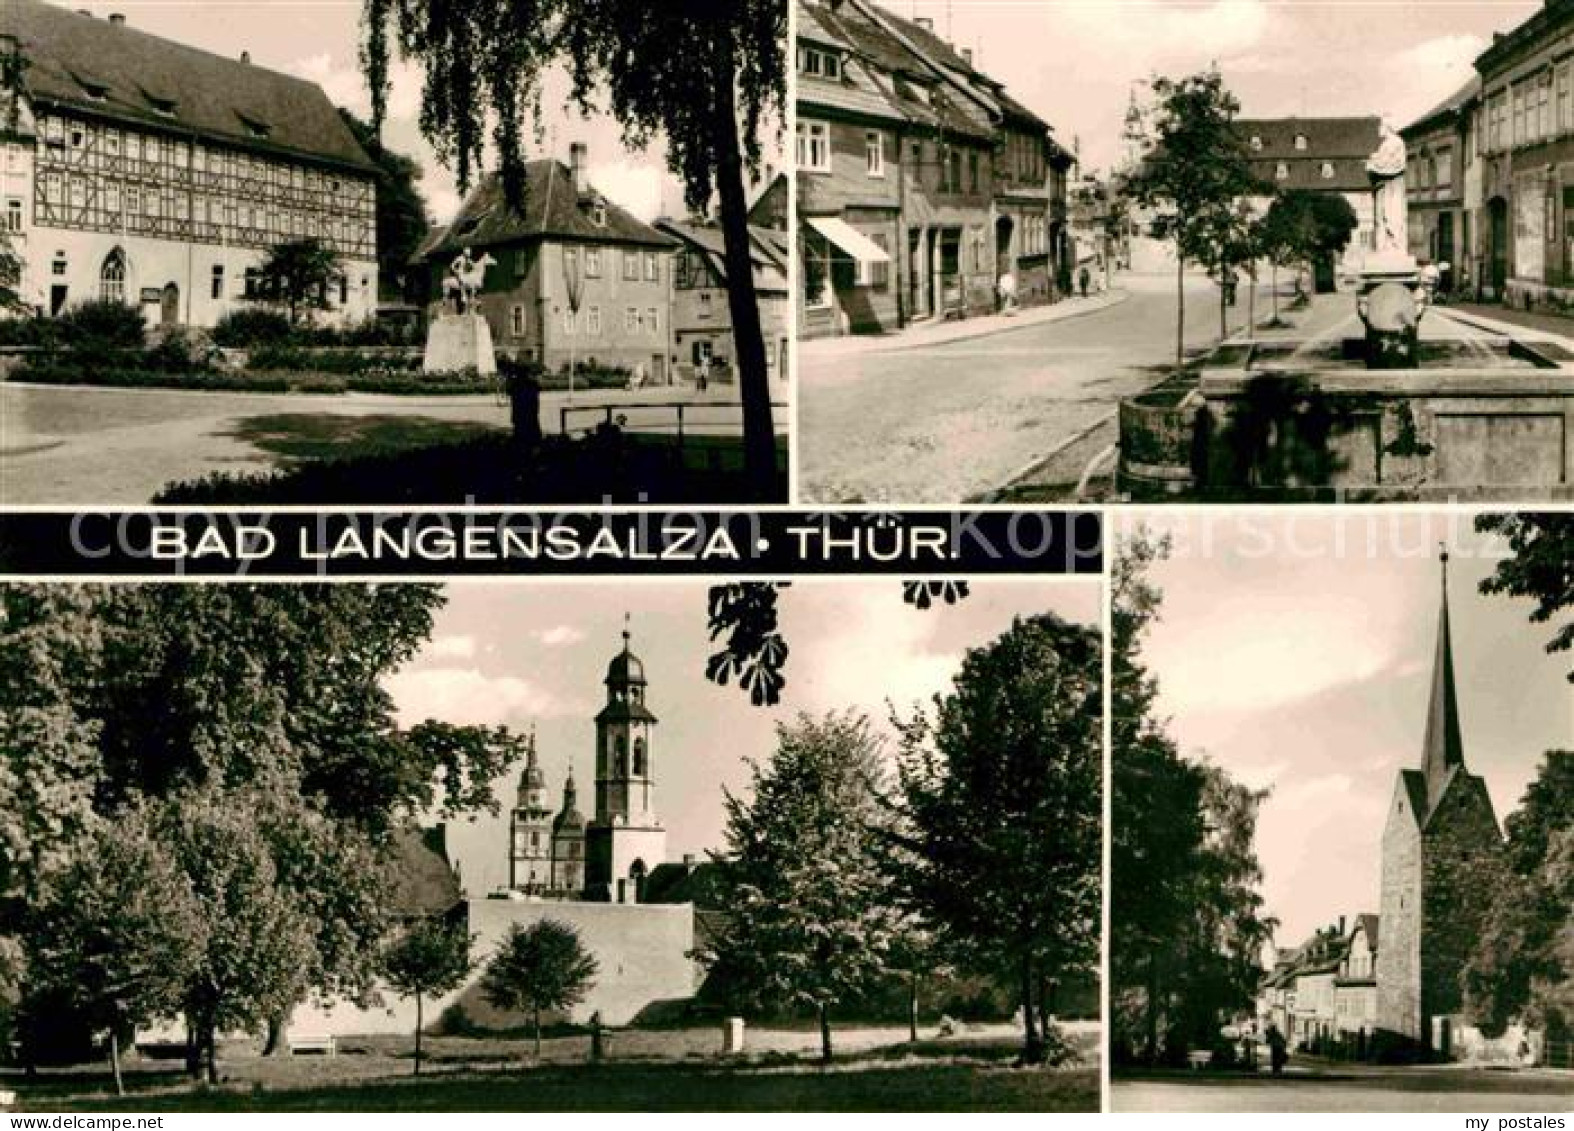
[(538, 968), (1304, 227), (1196, 170), (1523, 963), (299, 276), (809, 924), (1001, 795), (402, 216), (1540, 566), (1186, 920), (236, 705), (431, 957), (120, 932), (707, 80)]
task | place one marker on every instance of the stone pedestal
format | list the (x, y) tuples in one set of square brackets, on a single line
[(732, 1036), (459, 342)]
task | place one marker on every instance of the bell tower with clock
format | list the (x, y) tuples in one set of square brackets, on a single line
[(530, 829)]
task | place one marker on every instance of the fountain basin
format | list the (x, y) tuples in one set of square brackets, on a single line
[(1476, 418)]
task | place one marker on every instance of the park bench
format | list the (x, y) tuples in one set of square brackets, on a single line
[(1200, 1059), (7, 1099), (320, 1044)]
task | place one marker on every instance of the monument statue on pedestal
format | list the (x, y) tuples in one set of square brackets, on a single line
[(1391, 296), (1390, 216), (460, 339)]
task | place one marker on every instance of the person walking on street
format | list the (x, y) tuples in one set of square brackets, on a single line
[(1084, 277), (702, 372), (1278, 1050)]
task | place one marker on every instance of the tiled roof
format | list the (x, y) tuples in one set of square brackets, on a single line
[(423, 881), (698, 883), (1349, 174), (854, 93), (549, 208), (770, 267), (1325, 137), (1454, 101), (115, 71)]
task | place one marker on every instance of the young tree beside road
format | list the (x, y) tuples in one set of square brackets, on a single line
[(538, 968)]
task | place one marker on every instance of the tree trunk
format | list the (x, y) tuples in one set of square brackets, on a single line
[(1251, 306), (912, 1006), (1180, 308), (1032, 1043), (754, 385), (193, 1051), (278, 1027), (417, 1034), (114, 1059), (209, 1052), (1224, 312), (537, 1014), (825, 1032), (1152, 1050)]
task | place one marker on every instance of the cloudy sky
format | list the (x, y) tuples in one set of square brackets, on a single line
[(1073, 61), (319, 40), (536, 653), (1296, 652)]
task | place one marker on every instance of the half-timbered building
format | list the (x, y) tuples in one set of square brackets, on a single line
[(148, 172)]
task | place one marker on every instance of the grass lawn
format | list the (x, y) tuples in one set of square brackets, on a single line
[(326, 435), (661, 1074)]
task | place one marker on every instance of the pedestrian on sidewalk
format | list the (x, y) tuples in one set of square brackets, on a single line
[(1278, 1049), (702, 372), (1084, 277)]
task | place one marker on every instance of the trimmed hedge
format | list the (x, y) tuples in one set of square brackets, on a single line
[(248, 381)]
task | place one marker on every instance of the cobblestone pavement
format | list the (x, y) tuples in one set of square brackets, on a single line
[(953, 422)]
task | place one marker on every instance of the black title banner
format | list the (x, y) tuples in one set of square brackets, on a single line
[(305, 544)]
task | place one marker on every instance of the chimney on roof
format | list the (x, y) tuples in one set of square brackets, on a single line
[(688, 861), (925, 22), (118, 19), (1341, 926), (245, 56), (576, 167), (967, 56)]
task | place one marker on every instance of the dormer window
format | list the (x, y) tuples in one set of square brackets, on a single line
[(163, 105), (1328, 170), (256, 127), (95, 90), (819, 62), (1256, 143), (598, 213), (1300, 142), (1282, 171)]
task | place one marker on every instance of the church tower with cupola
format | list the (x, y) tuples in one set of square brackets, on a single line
[(625, 840), (1441, 849), (568, 844), (530, 829)]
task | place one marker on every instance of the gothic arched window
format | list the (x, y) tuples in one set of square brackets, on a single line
[(112, 277), (639, 758)]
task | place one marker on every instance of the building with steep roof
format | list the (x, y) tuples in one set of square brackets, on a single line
[(701, 315), (144, 171), (1441, 848), (568, 842), (574, 275), (1325, 155), (921, 182)]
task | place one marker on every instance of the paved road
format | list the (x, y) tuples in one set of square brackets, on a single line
[(949, 423), (82, 445), (1449, 1089)]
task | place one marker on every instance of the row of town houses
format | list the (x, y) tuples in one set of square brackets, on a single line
[(925, 191), (1490, 181), (1322, 995), (143, 171)]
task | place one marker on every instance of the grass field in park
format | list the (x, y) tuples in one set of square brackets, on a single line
[(676, 1070)]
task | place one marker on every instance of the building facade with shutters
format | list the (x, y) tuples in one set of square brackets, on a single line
[(1443, 185), (147, 172), (701, 315)]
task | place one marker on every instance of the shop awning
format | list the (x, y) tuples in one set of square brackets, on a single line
[(850, 240)]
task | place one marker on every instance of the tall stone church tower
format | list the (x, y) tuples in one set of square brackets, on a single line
[(624, 841), (530, 832), (568, 844), (1442, 854)]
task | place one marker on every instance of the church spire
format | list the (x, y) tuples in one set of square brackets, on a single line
[(1443, 748)]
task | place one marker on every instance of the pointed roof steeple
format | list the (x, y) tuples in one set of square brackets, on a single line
[(1443, 748)]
